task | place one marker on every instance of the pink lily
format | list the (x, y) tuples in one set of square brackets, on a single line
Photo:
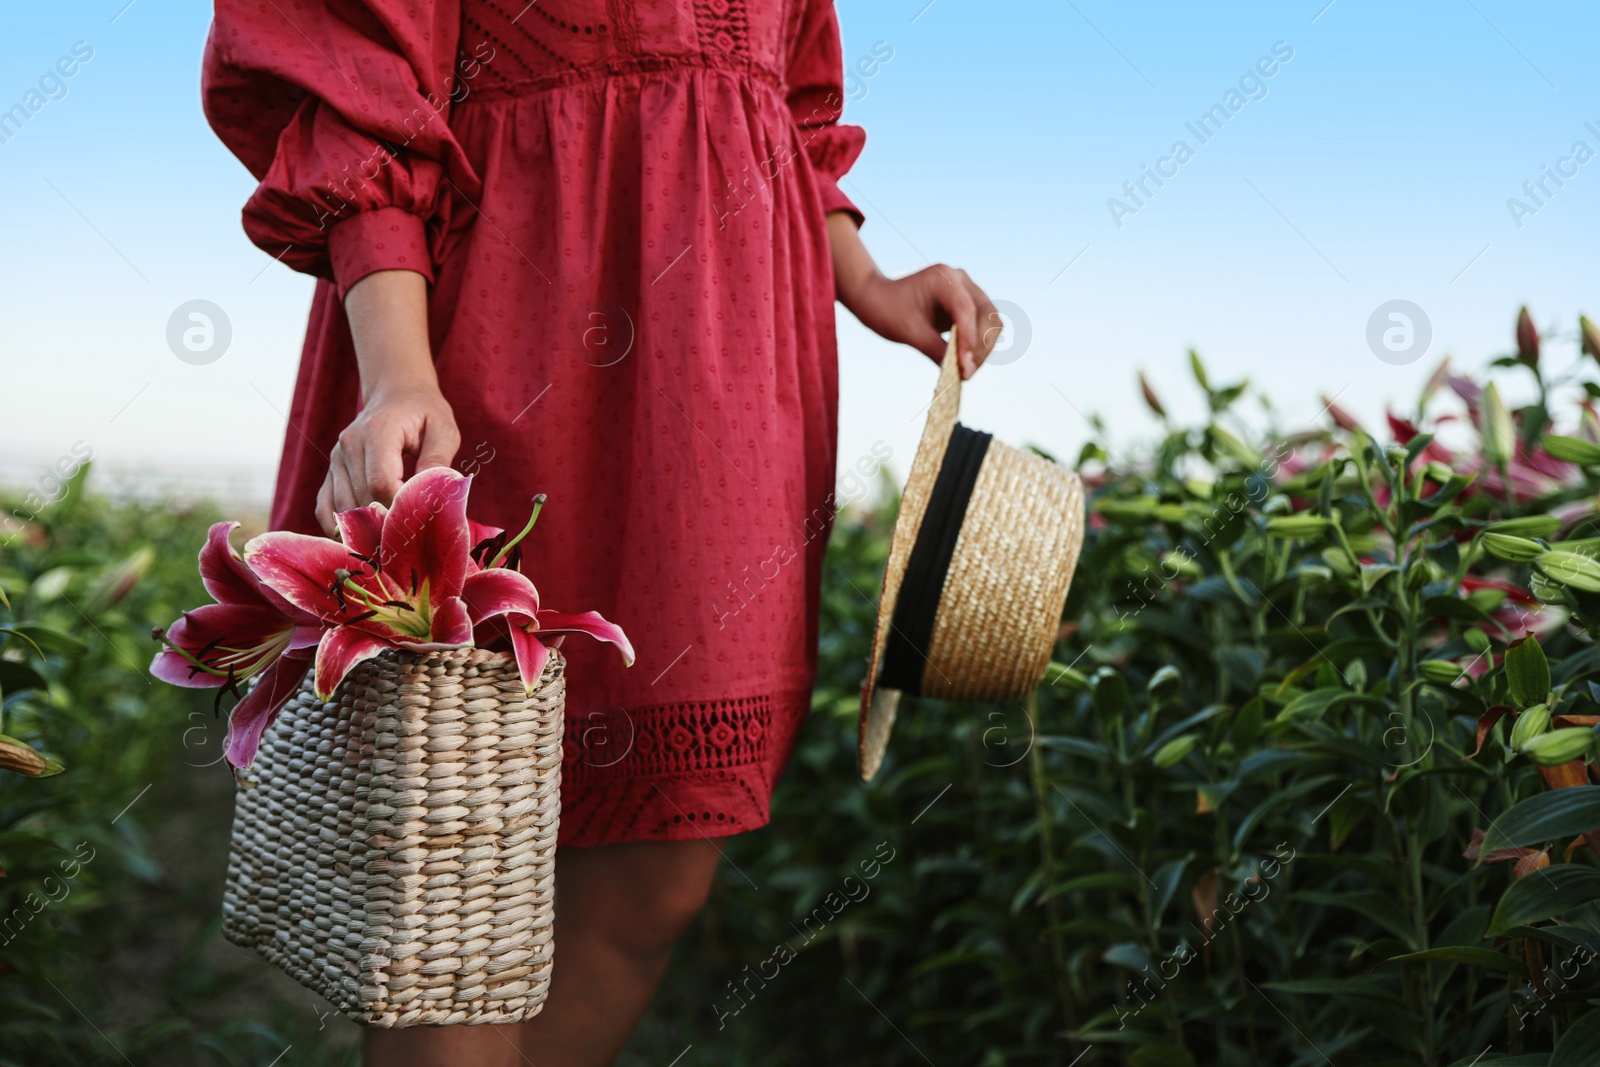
[(502, 601), (250, 631), (394, 582)]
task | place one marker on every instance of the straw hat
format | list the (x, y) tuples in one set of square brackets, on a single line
[(980, 560)]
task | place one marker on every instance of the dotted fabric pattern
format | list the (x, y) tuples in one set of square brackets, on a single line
[(620, 209)]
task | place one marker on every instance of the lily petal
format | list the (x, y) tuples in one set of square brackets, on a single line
[(230, 580), (425, 534), (173, 669), (252, 715), (477, 534), (340, 651), (301, 569), (588, 622), (451, 624), (495, 632), (242, 637), (223, 571), (361, 529), (306, 636), (497, 591), (531, 654)]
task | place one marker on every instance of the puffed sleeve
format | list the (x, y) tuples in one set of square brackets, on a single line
[(339, 108), (815, 90)]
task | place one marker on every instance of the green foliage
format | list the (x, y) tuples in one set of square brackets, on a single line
[(109, 943), (1308, 781), (1240, 822)]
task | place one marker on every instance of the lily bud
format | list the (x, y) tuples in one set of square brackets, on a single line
[(1439, 671), (1527, 339), (119, 581), (1526, 526), (1499, 433), (1549, 592), (23, 759), (1530, 724), (1570, 569), (1313, 574), (1150, 397), (1590, 336), (1439, 472), (1182, 564), (1573, 450), (1292, 526), (1514, 549), (1336, 557), (1560, 746), (1061, 674), (1341, 418), (1233, 446), (1133, 510), (1417, 576), (1175, 750), (1476, 640)]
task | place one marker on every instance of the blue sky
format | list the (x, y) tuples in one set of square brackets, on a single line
[(1376, 166)]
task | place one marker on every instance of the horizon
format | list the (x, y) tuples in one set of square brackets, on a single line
[(1424, 155)]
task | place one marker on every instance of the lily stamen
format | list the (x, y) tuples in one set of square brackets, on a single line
[(161, 635)]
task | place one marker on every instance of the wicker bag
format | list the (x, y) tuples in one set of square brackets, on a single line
[(397, 854)]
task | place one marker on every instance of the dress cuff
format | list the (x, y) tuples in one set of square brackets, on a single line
[(389, 238), (833, 199), (833, 150)]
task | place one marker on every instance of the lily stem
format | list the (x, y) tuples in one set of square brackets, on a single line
[(500, 557)]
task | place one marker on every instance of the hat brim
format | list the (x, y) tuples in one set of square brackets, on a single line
[(878, 704)]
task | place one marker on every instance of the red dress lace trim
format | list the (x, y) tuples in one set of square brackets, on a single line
[(675, 772)]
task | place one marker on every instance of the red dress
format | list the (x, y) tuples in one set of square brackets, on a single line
[(620, 208)]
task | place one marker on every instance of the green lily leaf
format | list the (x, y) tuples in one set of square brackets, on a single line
[(1580, 1045), (1466, 957), (1554, 815), (1545, 895)]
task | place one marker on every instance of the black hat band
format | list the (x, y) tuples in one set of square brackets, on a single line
[(905, 653)]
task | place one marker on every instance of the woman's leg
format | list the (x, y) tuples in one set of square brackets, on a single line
[(619, 911), (442, 1046)]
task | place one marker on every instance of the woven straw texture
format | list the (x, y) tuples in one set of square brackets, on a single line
[(1006, 584), (1008, 579), (397, 854)]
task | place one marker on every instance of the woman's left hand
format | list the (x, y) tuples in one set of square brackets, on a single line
[(916, 309)]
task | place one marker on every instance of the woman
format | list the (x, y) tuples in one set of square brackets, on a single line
[(587, 248)]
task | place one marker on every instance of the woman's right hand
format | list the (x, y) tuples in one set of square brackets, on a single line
[(403, 413), (368, 463)]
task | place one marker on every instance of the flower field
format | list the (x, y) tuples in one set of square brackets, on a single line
[(1312, 779)]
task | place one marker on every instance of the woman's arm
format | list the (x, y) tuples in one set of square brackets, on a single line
[(915, 309), (403, 413)]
